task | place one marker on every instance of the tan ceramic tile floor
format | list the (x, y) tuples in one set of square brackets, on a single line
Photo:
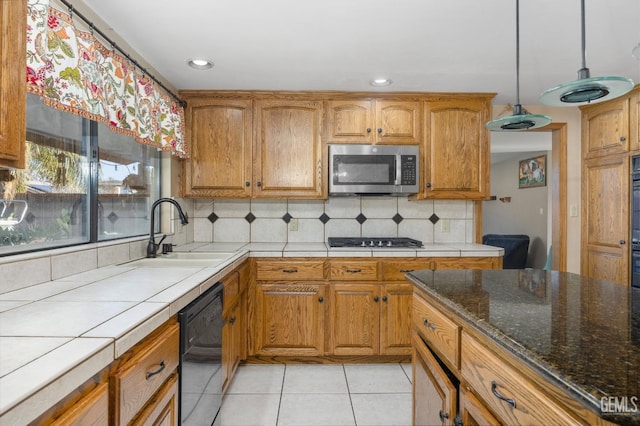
[(323, 395)]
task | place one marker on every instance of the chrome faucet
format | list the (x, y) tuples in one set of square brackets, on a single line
[(152, 247)]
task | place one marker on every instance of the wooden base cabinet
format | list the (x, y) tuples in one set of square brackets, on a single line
[(434, 393), (92, 409), (289, 319), (138, 384), (354, 319)]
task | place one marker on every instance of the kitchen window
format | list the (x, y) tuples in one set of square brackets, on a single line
[(82, 183)]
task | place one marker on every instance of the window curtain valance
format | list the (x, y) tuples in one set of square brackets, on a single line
[(73, 71)]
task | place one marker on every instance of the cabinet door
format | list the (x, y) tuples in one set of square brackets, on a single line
[(91, 410), (605, 218), (473, 413), (395, 319), (231, 336), (634, 122), (397, 122), (220, 134), (354, 319), (162, 410), (289, 319), (456, 154), (350, 122), (289, 156), (12, 83), (605, 128), (434, 395)]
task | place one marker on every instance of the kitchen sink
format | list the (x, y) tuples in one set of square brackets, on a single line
[(182, 259), (216, 255)]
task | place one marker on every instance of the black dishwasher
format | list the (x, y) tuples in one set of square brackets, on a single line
[(201, 358)]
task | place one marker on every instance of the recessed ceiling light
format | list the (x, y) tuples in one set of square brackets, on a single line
[(200, 64), (380, 82)]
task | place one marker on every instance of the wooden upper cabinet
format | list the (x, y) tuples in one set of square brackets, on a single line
[(456, 150), (634, 122), (13, 20), (374, 122), (220, 133), (288, 155), (605, 128)]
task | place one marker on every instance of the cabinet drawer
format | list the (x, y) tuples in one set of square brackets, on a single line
[(440, 332), (144, 371), (395, 270), (353, 270), (495, 382), (289, 270)]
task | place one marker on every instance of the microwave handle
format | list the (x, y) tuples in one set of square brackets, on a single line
[(398, 169)]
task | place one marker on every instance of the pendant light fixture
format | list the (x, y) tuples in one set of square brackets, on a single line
[(520, 120), (586, 89)]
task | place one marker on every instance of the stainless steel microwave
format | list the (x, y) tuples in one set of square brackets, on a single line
[(373, 169)]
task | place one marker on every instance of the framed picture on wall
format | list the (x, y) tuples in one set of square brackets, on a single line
[(532, 172)]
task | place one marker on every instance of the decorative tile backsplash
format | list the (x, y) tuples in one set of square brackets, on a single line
[(226, 220)]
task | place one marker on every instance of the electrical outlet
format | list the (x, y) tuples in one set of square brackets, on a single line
[(293, 224), (445, 226), (573, 210)]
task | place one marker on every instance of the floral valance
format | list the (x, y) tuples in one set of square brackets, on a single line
[(73, 71)]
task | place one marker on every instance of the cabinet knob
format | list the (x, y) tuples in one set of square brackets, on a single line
[(428, 184), (443, 416), (259, 184), (379, 129), (384, 298), (368, 129), (232, 320), (622, 138), (375, 299), (320, 299), (623, 242), (247, 183)]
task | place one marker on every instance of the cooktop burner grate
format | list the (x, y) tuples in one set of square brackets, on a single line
[(374, 242)]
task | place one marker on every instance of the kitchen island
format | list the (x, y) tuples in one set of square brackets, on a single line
[(529, 345)]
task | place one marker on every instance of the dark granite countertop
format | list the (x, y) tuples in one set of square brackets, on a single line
[(581, 333)]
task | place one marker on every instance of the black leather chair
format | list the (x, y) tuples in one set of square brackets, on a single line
[(516, 248)]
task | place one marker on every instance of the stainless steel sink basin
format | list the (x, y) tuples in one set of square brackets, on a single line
[(182, 259), (217, 255)]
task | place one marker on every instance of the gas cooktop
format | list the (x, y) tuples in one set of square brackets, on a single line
[(374, 242)]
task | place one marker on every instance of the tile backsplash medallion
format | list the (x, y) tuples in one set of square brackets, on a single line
[(226, 220)]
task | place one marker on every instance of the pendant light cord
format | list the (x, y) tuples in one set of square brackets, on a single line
[(518, 52), (584, 38)]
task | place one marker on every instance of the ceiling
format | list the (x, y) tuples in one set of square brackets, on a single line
[(422, 45)]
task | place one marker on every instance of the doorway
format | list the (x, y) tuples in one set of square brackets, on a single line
[(556, 180)]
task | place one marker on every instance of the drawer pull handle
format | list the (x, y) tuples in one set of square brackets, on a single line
[(290, 271), (150, 374), (494, 389), (428, 324), (443, 416), (407, 270), (354, 271)]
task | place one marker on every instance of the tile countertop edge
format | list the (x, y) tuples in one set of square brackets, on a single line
[(96, 354), (513, 347)]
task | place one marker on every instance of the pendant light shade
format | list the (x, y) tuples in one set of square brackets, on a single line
[(586, 89), (520, 120)]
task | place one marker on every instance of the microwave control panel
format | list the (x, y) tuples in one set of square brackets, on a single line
[(408, 170)]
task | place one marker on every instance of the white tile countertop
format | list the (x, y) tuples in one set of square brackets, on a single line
[(56, 335)]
